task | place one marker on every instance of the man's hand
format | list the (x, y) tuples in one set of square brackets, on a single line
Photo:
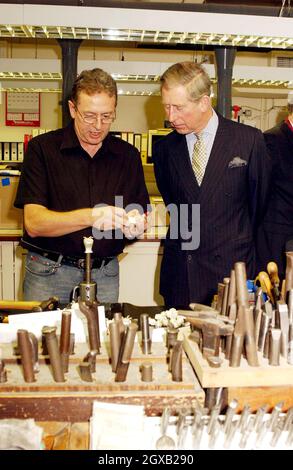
[(109, 218), (137, 224)]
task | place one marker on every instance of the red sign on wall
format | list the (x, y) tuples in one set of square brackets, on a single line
[(22, 109)]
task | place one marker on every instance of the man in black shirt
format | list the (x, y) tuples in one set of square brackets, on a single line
[(77, 182)]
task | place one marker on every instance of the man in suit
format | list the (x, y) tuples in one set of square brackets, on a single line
[(277, 228), (213, 175)]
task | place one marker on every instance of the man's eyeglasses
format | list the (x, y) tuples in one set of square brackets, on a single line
[(90, 118)]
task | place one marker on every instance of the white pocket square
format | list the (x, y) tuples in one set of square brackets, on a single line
[(236, 162)]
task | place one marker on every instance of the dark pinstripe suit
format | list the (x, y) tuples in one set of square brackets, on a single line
[(232, 197), (278, 222)]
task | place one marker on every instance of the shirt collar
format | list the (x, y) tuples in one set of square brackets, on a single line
[(212, 125), (210, 129), (70, 141)]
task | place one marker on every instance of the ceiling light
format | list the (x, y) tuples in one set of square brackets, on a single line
[(144, 25)]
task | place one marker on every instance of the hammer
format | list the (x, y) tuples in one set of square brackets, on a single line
[(212, 329)]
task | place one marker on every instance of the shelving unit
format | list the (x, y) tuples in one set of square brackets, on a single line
[(11, 152)]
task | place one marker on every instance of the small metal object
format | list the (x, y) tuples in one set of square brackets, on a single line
[(261, 435), (171, 339), (241, 284), (275, 415), (288, 420), (214, 361), (85, 371), (125, 352), (290, 306), (276, 435), (265, 322), (176, 362), (289, 440), (214, 415), (214, 435), (284, 326), (91, 359), (258, 312), (3, 371), (115, 342), (65, 338), (145, 334), (220, 296), (274, 346), (224, 305), (129, 342), (54, 353), (172, 334), (199, 412), (258, 419), (165, 442), (44, 345), (246, 434), (237, 343), (71, 343), (90, 311), (35, 351), (289, 270), (146, 372), (26, 353), (230, 435), (245, 415), (229, 415), (197, 435), (182, 428)]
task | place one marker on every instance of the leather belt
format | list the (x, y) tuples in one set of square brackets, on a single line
[(73, 261)]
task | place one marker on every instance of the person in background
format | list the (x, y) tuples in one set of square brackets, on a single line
[(277, 228), (77, 182), (213, 174)]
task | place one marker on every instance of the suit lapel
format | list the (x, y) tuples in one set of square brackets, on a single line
[(181, 162), (218, 161)]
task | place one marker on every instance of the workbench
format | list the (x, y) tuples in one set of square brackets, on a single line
[(253, 386), (71, 401)]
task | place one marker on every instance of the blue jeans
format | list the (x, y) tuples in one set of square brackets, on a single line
[(45, 278)]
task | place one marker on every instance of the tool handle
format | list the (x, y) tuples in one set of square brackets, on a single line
[(265, 284), (272, 269), (18, 304), (289, 270)]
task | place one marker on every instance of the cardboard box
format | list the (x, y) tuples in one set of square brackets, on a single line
[(10, 217)]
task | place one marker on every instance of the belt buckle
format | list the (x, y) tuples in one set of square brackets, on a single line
[(80, 263)]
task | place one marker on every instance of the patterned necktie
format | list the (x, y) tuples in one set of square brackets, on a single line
[(199, 158)]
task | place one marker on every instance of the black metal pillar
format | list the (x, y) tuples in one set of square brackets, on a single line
[(225, 57), (69, 72)]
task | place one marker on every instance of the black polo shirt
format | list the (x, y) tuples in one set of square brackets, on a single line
[(59, 174)]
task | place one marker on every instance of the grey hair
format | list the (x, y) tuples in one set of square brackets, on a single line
[(191, 75)]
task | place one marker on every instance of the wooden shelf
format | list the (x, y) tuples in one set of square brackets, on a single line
[(243, 376), (72, 400)]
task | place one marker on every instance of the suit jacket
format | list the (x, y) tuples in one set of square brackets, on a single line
[(277, 228), (231, 202)]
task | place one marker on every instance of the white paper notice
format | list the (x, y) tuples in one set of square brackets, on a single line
[(115, 426)]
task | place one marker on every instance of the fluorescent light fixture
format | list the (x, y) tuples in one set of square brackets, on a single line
[(144, 25), (137, 72)]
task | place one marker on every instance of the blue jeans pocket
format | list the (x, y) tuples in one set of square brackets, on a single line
[(112, 268), (39, 265)]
